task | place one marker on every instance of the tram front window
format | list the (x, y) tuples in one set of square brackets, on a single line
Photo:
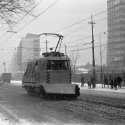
[(57, 65)]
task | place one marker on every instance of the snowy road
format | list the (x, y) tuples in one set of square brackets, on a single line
[(92, 107)]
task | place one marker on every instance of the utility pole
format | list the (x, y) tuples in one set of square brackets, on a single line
[(101, 61), (93, 54), (4, 64)]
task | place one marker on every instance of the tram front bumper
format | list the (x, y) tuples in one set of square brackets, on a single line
[(60, 88)]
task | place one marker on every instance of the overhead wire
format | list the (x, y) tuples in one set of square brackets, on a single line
[(86, 37), (80, 44), (22, 18), (70, 25), (78, 22), (38, 15), (69, 32), (81, 21), (95, 46), (64, 27), (33, 19), (30, 11), (75, 24)]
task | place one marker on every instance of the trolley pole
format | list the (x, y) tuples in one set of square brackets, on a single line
[(93, 54)]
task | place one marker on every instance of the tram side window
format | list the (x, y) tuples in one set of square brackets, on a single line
[(57, 65)]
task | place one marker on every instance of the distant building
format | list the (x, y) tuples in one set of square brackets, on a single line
[(116, 34), (28, 50)]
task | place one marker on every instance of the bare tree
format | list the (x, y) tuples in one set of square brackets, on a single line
[(74, 59), (11, 11)]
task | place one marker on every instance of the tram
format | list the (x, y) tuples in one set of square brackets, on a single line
[(50, 76)]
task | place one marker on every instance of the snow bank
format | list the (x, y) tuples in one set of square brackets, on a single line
[(4, 120), (13, 82)]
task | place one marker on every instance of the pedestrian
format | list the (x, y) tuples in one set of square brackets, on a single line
[(115, 82), (106, 81), (82, 81), (89, 83), (111, 81), (92, 82), (119, 80)]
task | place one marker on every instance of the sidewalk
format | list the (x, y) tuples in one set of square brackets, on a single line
[(100, 88)]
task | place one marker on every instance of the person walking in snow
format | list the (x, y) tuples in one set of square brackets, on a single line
[(89, 83), (82, 81), (111, 81), (119, 80), (115, 82), (106, 81)]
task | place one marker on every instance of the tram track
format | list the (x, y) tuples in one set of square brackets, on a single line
[(90, 107), (105, 109), (108, 110)]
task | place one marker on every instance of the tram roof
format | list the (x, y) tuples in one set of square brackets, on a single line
[(44, 59), (54, 58)]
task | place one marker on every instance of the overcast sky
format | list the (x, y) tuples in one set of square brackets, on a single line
[(62, 14)]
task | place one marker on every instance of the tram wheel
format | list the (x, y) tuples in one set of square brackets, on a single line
[(29, 90)]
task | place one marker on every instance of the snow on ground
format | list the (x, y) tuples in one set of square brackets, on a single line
[(3, 120), (7, 121), (98, 87), (14, 82)]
